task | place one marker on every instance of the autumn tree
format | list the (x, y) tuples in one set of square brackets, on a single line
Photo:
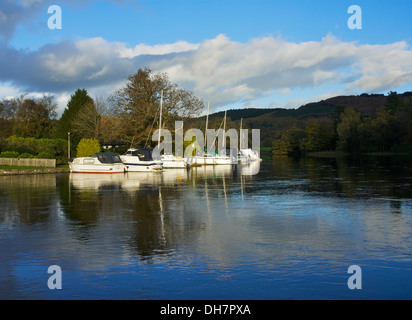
[(138, 105), (320, 135), (385, 128), (34, 118), (87, 147), (290, 142), (348, 130)]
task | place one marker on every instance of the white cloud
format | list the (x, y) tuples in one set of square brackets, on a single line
[(218, 70)]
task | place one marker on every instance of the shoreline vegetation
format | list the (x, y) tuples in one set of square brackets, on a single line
[(366, 124), (335, 154)]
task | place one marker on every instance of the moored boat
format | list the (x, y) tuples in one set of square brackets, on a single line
[(140, 160), (247, 156), (101, 162), (170, 161)]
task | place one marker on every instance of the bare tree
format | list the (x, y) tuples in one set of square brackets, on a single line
[(88, 122)]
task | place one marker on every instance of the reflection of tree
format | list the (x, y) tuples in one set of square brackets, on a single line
[(31, 196), (357, 177), (78, 205)]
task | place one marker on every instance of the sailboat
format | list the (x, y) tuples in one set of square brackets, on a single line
[(246, 155), (169, 161), (211, 157)]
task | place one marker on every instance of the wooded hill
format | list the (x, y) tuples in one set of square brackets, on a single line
[(271, 121)]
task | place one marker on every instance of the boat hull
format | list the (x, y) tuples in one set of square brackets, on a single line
[(141, 167), (97, 168), (172, 162), (218, 160)]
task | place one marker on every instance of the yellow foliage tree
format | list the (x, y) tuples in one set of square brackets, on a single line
[(87, 147)]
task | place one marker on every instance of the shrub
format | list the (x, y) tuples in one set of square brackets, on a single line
[(9, 154), (87, 147), (45, 155), (26, 156)]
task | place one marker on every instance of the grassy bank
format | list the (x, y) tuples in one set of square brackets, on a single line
[(14, 170)]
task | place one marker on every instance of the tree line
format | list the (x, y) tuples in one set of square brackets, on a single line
[(348, 130), (130, 115)]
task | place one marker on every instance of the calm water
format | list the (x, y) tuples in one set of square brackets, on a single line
[(289, 232)]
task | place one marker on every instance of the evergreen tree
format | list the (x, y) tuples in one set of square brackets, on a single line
[(77, 102)]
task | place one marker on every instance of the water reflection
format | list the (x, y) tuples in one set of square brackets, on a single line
[(222, 228)]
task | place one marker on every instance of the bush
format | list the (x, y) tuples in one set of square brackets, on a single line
[(26, 156), (9, 154), (45, 155), (38, 148), (87, 147)]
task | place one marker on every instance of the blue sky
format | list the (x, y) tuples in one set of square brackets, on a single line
[(261, 53)]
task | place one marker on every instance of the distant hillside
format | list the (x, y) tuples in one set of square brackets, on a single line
[(271, 120), (365, 103)]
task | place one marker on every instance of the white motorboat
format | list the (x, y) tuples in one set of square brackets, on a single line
[(101, 162), (247, 156), (140, 160)]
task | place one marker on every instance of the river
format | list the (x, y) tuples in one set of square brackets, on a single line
[(289, 232)]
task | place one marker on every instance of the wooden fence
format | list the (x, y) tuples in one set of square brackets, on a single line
[(46, 163)]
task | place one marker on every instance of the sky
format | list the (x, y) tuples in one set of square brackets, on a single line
[(232, 54)]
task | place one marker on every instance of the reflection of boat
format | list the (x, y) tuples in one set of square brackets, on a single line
[(211, 171), (101, 162), (138, 160), (94, 181), (250, 169), (128, 181)]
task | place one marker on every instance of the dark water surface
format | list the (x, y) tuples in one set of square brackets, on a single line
[(289, 232)]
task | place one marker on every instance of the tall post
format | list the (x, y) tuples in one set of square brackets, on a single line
[(68, 145)]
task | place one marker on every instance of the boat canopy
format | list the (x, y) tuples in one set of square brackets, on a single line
[(144, 154), (107, 157)]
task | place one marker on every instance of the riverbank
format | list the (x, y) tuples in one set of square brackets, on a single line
[(335, 154), (7, 171)]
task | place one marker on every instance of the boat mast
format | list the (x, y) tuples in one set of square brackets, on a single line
[(241, 137), (224, 132), (160, 121), (207, 122)]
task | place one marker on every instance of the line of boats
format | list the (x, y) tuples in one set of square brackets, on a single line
[(141, 160)]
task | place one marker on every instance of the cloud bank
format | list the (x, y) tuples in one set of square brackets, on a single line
[(218, 70)]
